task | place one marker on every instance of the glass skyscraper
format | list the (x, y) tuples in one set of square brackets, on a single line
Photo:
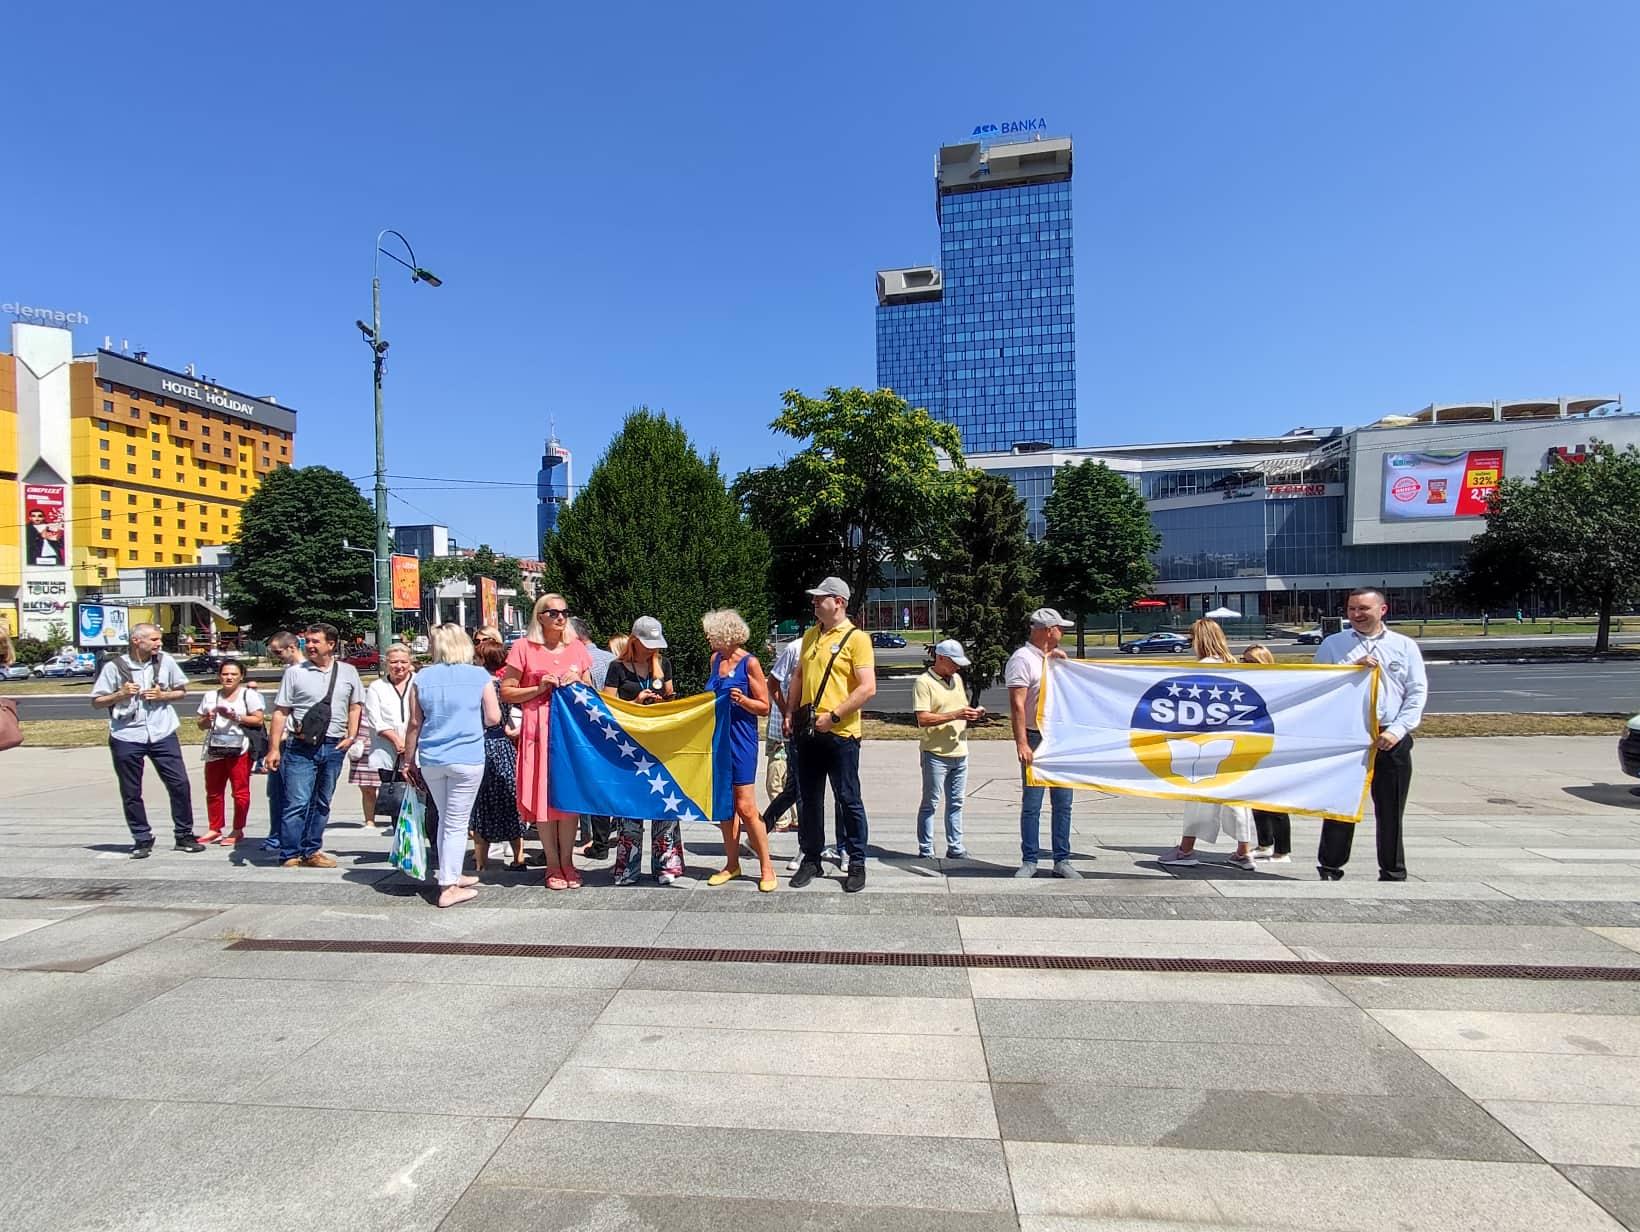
[(988, 341)]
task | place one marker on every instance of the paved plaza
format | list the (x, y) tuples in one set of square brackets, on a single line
[(176, 1055)]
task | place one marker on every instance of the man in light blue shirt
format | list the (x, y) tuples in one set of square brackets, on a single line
[(1403, 687)]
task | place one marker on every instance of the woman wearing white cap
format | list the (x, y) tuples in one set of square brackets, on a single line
[(644, 675)]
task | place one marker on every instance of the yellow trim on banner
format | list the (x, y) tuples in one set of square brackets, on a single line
[(1034, 780)]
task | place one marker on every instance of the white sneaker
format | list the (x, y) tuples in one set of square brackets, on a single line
[(1277, 859), (1262, 853), (795, 863), (1179, 859), (834, 855)]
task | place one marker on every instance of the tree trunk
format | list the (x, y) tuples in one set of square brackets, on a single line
[(1081, 638), (1603, 635)]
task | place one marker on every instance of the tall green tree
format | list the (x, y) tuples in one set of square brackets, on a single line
[(1096, 546), (1571, 528), (866, 489), (654, 531), (804, 545), (981, 569), (484, 562), (289, 567)]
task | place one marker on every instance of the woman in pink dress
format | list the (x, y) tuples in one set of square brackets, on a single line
[(537, 664)]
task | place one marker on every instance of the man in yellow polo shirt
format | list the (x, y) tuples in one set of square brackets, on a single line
[(835, 676), (939, 699)]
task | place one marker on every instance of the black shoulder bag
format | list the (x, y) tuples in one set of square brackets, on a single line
[(315, 724), (803, 718)]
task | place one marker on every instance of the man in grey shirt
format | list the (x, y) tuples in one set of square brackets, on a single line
[(137, 690), (309, 765)]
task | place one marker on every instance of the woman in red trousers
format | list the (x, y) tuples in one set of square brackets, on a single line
[(224, 714)]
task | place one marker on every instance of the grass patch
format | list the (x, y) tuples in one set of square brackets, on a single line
[(86, 733), (20, 688), (1439, 725)]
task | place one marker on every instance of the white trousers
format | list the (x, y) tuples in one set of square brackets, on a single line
[(453, 789), (1205, 822)]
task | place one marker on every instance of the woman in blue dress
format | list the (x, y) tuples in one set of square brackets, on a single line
[(738, 674)]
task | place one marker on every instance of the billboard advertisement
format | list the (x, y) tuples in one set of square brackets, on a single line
[(407, 583), (486, 601), (1422, 486), (101, 624), (45, 527)]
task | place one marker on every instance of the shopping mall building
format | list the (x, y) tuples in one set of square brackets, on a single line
[(113, 468), (1281, 527)]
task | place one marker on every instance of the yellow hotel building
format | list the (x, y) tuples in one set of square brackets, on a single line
[(108, 462)]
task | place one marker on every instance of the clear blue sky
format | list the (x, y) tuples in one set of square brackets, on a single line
[(1285, 213)]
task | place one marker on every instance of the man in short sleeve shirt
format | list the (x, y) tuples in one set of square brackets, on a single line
[(1023, 676), (137, 690), (835, 676), (308, 771), (939, 699)]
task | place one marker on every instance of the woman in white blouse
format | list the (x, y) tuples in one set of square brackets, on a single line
[(387, 709), (224, 714)]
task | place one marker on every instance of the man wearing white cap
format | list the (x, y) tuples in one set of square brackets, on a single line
[(940, 700), (836, 675), (1023, 676)]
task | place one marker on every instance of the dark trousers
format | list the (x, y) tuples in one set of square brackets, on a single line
[(836, 758), (1274, 830), (1391, 781), (789, 796), (166, 755)]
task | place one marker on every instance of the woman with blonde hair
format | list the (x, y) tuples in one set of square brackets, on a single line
[(643, 674), (1207, 821), (735, 672), (541, 661), (451, 703)]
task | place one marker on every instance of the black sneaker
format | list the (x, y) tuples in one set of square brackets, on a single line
[(1330, 874), (143, 850), (190, 844), (856, 879), (806, 872)]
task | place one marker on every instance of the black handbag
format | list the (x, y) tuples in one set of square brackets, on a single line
[(803, 717), (390, 795)]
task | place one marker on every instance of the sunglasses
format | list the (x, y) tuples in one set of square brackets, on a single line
[(557, 613)]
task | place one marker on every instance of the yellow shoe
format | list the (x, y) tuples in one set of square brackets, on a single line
[(722, 876), (768, 885)]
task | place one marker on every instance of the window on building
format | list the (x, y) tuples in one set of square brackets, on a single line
[(130, 498), (102, 444), (154, 436), (130, 517), (102, 464), (130, 536), (183, 425), (107, 533), (153, 455), (206, 430), (130, 451), (130, 468), (156, 472), (104, 494), (108, 409), (205, 449), (158, 538), (106, 514)]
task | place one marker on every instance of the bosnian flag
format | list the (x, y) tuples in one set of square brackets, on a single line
[(665, 762), (1292, 738)]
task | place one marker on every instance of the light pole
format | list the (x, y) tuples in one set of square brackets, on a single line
[(378, 352)]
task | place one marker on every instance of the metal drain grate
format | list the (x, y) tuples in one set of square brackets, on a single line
[(1012, 962)]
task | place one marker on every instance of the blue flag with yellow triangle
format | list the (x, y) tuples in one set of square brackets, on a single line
[(669, 761)]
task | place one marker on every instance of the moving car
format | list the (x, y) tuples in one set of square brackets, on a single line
[(892, 641), (363, 659), (1310, 637), (16, 671), (1628, 748), (1157, 643)]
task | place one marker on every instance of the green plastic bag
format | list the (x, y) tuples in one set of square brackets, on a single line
[(410, 836)]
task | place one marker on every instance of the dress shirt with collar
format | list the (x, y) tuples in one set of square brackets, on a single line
[(1403, 685)]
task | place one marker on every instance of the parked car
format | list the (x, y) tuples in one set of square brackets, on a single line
[(17, 671), (364, 660), (1628, 748), (892, 641), (1310, 637), (54, 667), (201, 664), (1157, 643), (84, 664)]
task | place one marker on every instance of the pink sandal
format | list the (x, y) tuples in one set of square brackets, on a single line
[(572, 879), (557, 883)]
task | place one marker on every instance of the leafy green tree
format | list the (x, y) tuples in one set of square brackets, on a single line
[(1570, 528), (289, 567), (484, 562), (801, 552), (654, 531), (981, 569), (866, 489), (1096, 547)]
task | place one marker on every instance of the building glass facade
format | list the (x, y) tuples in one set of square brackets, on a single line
[(1008, 319), (908, 352)]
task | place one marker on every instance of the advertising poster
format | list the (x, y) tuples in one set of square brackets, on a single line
[(44, 528), (101, 624), (486, 601), (1440, 485), (407, 583)]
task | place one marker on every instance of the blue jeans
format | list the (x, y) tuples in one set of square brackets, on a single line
[(308, 777), (944, 778), (1030, 816)]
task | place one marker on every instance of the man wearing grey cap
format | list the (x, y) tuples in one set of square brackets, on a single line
[(940, 701), (835, 676), (1023, 676)]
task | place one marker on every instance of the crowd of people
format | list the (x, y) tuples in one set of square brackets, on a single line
[(471, 731)]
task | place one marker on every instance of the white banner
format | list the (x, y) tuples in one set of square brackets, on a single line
[(1292, 739)]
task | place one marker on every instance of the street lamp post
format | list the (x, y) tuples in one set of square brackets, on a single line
[(378, 351)]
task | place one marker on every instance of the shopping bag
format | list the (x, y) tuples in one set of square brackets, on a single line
[(409, 837)]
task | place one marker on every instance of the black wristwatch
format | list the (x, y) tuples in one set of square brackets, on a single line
[(834, 719)]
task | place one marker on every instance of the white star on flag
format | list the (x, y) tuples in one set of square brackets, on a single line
[(642, 766), (689, 814), (612, 732), (627, 748), (1215, 692), (656, 784), (1195, 690), (580, 692), (671, 803), (1236, 695), (1173, 690)]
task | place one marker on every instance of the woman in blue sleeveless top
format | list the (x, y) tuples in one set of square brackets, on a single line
[(738, 674)]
